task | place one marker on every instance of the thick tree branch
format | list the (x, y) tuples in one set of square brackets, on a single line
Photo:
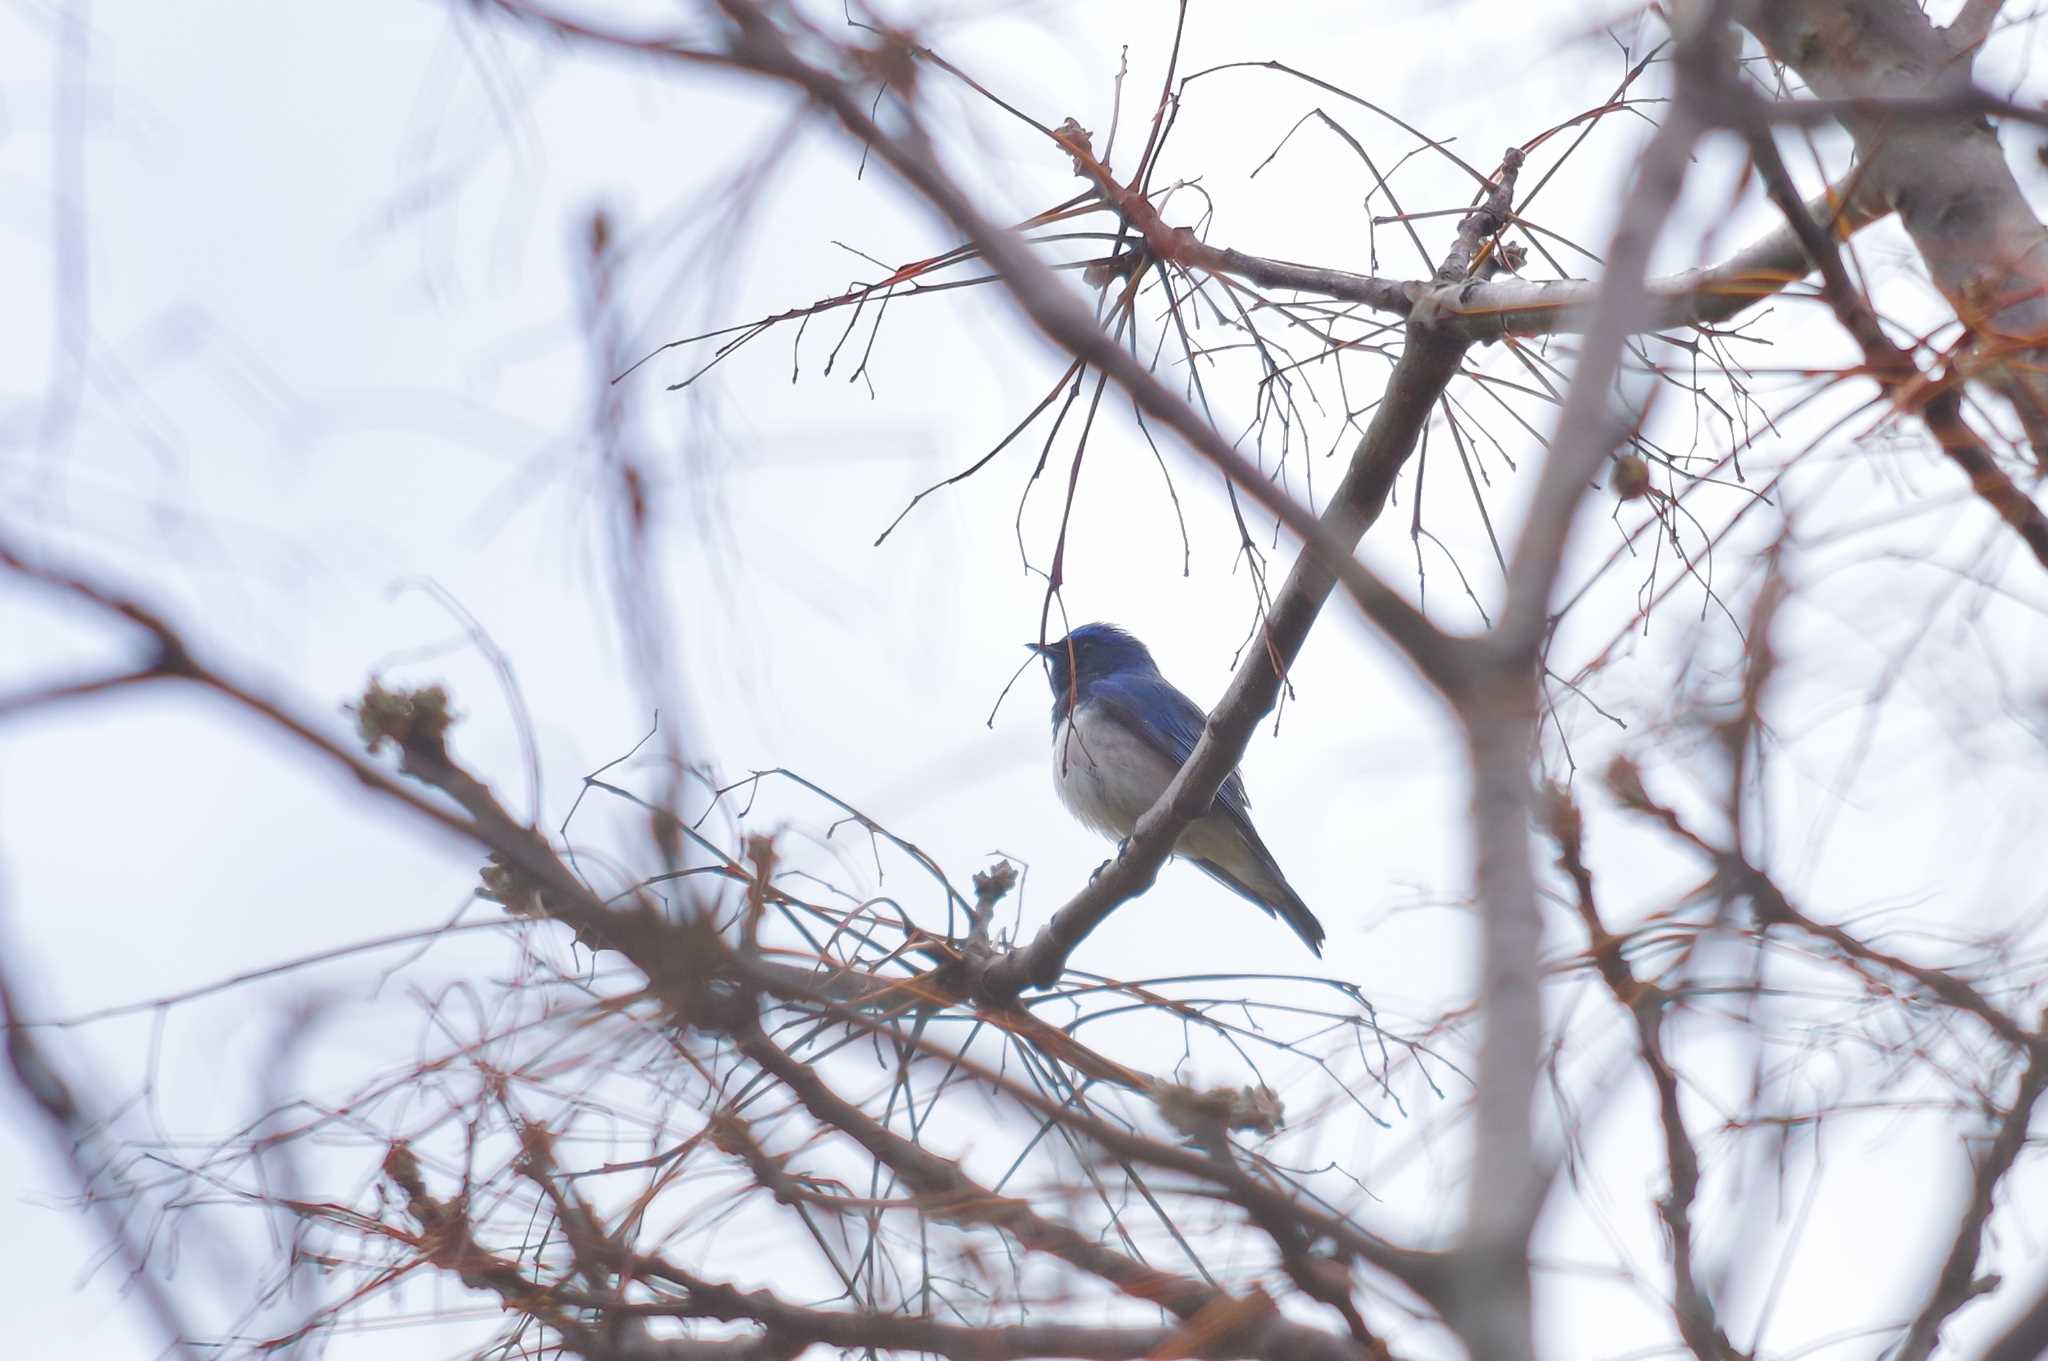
[(1424, 369), (1947, 176), (1508, 306), (1972, 25), (1487, 310), (1938, 403), (1493, 1314), (2027, 1338)]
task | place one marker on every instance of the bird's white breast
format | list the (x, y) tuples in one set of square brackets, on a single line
[(1106, 776)]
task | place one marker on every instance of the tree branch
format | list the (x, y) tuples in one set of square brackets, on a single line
[(1972, 25), (2027, 1338), (1737, 876), (1487, 310), (1938, 402), (1645, 1005), (1956, 1284), (1254, 1331), (1946, 175), (1493, 1311), (1427, 366)]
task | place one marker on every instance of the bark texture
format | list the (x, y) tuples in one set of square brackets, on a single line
[(1943, 171)]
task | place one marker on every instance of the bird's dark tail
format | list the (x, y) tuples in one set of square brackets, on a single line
[(1275, 895)]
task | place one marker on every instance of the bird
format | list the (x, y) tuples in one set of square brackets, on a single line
[(1120, 734)]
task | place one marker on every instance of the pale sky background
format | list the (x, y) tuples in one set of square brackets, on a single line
[(330, 260)]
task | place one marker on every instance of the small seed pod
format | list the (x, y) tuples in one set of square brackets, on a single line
[(1631, 480)]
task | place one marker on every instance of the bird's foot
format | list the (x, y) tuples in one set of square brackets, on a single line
[(1121, 846)]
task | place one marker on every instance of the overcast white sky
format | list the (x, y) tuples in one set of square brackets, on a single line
[(330, 263)]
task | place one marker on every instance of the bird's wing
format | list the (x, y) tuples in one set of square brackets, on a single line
[(1168, 722)]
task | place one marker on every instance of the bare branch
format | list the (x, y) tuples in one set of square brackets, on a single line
[(75, 1135), (1734, 874), (1947, 176), (1253, 1330), (2027, 1338), (1938, 402), (1701, 297), (1972, 25), (1646, 1004), (1957, 1283), (1326, 561), (1494, 1315)]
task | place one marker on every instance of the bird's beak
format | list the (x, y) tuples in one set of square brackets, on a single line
[(1040, 648)]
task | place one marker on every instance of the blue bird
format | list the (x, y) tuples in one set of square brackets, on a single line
[(1120, 734)]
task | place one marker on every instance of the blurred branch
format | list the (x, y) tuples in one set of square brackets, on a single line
[(171, 658), (1493, 1313), (1972, 25), (61, 691), (2027, 1338), (1971, 99), (1645, 1003), (1957, 1284), (1735, 875), (1946, 175), (1587, 429), (1938, 402), (74, 1135)]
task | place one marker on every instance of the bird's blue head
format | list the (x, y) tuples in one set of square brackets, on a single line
[(1090, 652)]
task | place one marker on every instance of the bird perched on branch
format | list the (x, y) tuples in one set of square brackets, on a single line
[(1120, 734)]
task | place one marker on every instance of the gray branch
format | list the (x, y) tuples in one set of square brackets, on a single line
[(1945, 174)]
